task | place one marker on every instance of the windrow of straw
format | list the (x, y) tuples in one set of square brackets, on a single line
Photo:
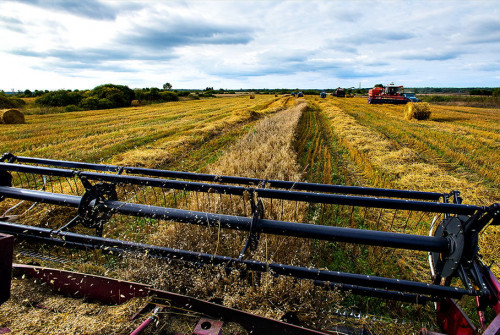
[(391, 164), (419, 111), (463, 140), (266, 152), (11, 116)]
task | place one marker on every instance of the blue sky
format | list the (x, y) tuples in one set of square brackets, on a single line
[(248, 44)]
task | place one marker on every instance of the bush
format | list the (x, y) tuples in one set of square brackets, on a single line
[(182, 93), (480, 92), (119, 95), (105, 103), (168, 96), (437, 98), (496, 92), (60, 98), (90, 103), (71, 108), (11, 102)]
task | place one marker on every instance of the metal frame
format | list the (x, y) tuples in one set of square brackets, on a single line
[(453, 248)]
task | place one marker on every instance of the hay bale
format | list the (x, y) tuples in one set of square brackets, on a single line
[(419, 111), (11, 116), (135, 103), (252, 96)]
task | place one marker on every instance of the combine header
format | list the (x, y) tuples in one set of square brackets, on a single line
[(98, 193)]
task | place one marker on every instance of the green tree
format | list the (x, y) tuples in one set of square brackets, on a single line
[(167, 86), (496, 92), (119, 95), (59, 98)]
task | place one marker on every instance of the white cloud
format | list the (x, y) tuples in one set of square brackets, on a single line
[(234, 44)]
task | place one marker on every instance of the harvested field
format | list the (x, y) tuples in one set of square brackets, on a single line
[(341, 141), (146, 136)]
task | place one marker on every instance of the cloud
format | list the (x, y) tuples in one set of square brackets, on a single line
[(91, 9), (430, 54), (12, 24), (182, 32), (373, 37), (348, 16), (96, 59), (486, 30)]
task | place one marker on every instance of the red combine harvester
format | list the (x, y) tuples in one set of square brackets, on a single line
[(390, 94)]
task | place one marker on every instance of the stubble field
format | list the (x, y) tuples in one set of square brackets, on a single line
[(332, 140)]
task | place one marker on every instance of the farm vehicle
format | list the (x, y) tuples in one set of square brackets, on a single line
[(340, 92), (98, 194), (411, 97), (390, 94)]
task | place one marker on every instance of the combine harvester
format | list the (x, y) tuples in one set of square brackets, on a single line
[(98, 192), (390, 94)]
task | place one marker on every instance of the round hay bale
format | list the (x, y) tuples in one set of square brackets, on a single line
[(135, 103), (252, 96), (419, 111), (11, 116)]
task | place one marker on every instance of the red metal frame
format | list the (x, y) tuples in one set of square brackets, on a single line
[(110, 290)]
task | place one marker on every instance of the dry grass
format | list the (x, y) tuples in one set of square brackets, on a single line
[(388, 151), (265, 152), (34, 309), (418, 111), (147, 136), (391, 163)]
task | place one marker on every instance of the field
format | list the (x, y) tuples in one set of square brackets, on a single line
[(332, 140)]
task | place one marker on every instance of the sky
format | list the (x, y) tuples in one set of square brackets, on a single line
[(248, 44)]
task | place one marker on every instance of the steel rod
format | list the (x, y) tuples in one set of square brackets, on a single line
[(69, 239), (262, 192), (239, 180), (328, 233)]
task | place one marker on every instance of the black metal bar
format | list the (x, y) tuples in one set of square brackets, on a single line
[(68, 239), (36, 170), (300, 186), (379, 293), (329, 233), (262, 192), (424, 206), (67, 164), (240, 180), (40, 196)]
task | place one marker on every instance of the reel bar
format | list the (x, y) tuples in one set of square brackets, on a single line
[(234, 180), (74, 240), (328, 233), (335, 199), (424, 206), (40, 196)]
